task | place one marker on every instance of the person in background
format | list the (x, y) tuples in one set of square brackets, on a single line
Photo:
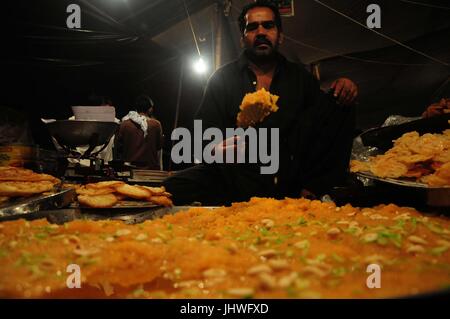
[(140, 136)]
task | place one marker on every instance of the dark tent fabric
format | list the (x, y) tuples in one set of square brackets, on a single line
[(125, 48), (406, 88)]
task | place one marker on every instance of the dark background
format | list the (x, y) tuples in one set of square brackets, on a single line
[(128, 47)]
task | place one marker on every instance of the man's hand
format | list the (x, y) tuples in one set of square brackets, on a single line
[(345, 90), (233, 145), (442, 107)]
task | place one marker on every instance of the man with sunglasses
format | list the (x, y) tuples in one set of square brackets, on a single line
[(261, 36), (315, 129)]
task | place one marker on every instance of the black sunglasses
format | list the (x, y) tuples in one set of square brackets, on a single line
[(265, 24)]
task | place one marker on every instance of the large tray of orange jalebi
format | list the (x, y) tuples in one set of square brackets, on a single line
[(414, 160), (264, 248)]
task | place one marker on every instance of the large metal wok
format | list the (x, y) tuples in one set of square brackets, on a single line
[(78, 133), (72, 134)]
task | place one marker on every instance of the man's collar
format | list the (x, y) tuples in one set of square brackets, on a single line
[(243, 61)]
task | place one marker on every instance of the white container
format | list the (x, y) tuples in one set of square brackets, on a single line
[(94, 113)]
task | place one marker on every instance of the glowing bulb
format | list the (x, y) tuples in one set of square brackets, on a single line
[(200, 66)]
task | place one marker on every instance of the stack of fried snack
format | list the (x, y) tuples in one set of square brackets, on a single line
[(423, 158), (21, 182), (109, 193), (255, 107), (264, 248)]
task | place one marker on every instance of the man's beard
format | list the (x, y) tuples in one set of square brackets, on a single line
[(259, 56)]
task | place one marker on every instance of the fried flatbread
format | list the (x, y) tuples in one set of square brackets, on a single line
[(13, 189), (99, 201), (105, 184), (95, 191), (160, 200), (156, 190), (19, 174), (136, 192)]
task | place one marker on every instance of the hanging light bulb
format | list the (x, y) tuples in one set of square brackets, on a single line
[(200, 66)]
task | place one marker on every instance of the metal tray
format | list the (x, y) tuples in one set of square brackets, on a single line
[(129, 216), (400, 182), (120, 205), (21, 208), (438, 197), (382, 138)]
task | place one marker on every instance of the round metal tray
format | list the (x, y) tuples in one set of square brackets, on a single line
[(381, 139), (434, 196)]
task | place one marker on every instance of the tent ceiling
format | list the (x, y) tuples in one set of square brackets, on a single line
[(313, 25), (327, 32)]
